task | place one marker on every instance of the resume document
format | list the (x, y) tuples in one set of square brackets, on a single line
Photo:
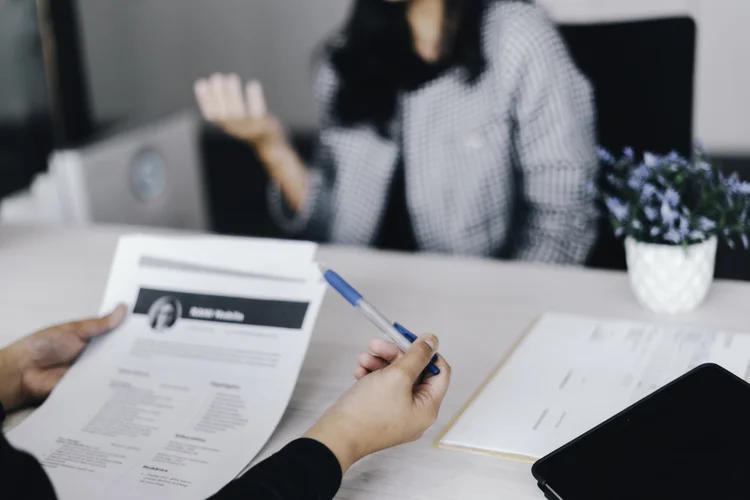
[(178, 400)]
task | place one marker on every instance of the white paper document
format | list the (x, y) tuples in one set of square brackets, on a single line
[(177, 401), (570, 373)]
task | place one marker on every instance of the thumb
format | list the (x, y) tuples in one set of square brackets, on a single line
[(419, 355), (89, 328)]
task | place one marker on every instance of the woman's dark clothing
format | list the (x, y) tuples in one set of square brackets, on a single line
[(304, 469), (396, 231)]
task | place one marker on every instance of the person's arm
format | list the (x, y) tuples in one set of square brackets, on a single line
[(245, 117), (312, 219), (357, 425), (310, 468), (555, 145), (22, 476), (29, 370), (304, 469), (299, 195)]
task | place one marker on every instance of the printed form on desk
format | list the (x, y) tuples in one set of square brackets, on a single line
[(179, 399), (571, 373)]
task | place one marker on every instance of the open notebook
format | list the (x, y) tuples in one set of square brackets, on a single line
[(571, 373)]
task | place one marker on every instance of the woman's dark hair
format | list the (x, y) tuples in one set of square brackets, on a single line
[(377, 59)]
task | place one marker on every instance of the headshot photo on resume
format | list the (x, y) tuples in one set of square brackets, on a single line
[(164, 313), (454, 126)]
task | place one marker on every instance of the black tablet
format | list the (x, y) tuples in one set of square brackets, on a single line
[(689, 440)]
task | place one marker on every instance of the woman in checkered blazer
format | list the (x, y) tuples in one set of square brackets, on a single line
[(456, 126)]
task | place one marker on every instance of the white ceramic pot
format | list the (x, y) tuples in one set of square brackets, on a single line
[(669, 279)]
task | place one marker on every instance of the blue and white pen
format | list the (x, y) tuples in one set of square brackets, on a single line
[(395, 332)]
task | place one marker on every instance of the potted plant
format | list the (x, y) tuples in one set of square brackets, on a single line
[(672, 212)]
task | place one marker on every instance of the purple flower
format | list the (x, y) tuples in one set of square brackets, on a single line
[(675, 157), (745, 241), (637, 225), (619, 231), (673, 236), (629, 152), (618, 209), (655, 231), (651, 213), (668, 214), (639, 176), (683, 227), (704, 166), (672, 197), (705, 224), (605, 156), (736, 186), (676, 160), (697, 235), (651, 160), (648, 191)]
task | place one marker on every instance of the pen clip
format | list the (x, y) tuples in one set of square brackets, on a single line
[(410, 337)]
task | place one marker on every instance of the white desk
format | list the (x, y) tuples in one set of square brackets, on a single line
[(478, 308)]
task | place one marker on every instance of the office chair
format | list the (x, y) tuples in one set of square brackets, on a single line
[(643, 73)]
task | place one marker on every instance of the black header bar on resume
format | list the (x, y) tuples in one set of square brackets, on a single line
[(236, 310)]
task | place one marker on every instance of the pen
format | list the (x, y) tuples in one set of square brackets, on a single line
[(395, 332)]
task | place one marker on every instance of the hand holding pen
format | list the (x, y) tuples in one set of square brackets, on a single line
[(388, 406), (394, 332)]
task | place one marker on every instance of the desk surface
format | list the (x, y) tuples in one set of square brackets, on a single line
[(478, 308)]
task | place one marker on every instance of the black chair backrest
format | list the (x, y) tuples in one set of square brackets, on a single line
[(237, 183), (643, 73)]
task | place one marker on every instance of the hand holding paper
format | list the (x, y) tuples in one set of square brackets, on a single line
[(30, 368), (179, 399)]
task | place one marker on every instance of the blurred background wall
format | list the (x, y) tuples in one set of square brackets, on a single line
[(143, 54)]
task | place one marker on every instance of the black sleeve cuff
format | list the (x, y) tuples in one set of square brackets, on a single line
[(303, 470), (316, 465), (2, 413)]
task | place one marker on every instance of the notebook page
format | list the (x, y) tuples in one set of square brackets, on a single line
[(571, 373)]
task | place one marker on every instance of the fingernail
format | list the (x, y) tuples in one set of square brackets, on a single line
[(118, 313), (432, 341)]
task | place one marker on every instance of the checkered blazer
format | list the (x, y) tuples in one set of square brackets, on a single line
[(499, 168)]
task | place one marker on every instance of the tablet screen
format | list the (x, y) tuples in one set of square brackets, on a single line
[(688, 440)]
